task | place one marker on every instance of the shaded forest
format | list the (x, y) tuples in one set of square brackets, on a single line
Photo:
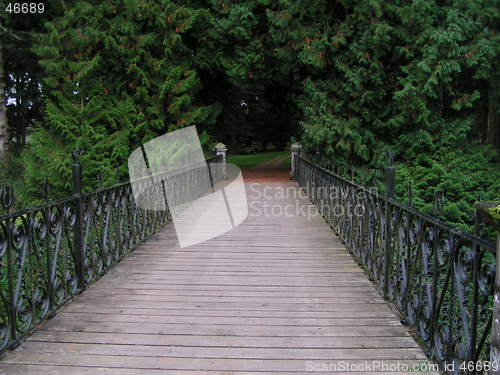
[(346, 78)]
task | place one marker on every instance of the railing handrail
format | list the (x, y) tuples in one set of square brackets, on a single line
[(42, 206), (414, 211)]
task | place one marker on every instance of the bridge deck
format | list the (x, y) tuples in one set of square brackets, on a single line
[(279, 294)]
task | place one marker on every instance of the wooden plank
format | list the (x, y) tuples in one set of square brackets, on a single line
[(220, 320), (381, 330), (222, 352), (78, 370), (274, 308), (270, 297), (319, 342), (361, 313), (221, 299), (225, 364)]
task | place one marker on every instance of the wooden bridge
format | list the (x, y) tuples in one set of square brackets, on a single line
[(280, 294)]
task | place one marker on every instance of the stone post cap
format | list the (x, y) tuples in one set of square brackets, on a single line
[(220, 147)]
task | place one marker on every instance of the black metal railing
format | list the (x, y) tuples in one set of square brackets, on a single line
[(54, 251), (439, 277)]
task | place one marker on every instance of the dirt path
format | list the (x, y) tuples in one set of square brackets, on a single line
[(269, 171)]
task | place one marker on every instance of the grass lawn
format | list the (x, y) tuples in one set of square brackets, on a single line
[(287, 162), (246, 161)]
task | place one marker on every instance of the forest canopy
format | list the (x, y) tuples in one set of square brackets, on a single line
[(346, 78)]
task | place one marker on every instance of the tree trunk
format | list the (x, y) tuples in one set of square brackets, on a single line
[(4, 130), (21, 89)]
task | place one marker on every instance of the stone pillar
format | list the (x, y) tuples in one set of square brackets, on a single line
[(296, 149), (220, 149)]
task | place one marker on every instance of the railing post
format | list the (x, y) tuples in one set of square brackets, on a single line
[(318, 158), (295, 153), (220, 149), (495, 334), (483, 212), (389, 194), (78, 228), (6, 201)]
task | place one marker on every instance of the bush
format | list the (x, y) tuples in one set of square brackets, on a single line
[(464, 176)]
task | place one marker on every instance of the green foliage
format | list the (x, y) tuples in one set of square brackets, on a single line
[(47, 161), (235, 59), (116, 75), (342, 52), (9, 176), (495, 212), (421, 78), (399, 75), (464, 176), (383, 73)]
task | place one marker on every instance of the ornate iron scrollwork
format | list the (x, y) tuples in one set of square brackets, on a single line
[(440, 278), (38, 270), (6, 197)]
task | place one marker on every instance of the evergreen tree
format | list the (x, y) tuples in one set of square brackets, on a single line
[(412, 76), (117, 75), (236, 61), (21, 77), (419, 77), (378, 73)]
